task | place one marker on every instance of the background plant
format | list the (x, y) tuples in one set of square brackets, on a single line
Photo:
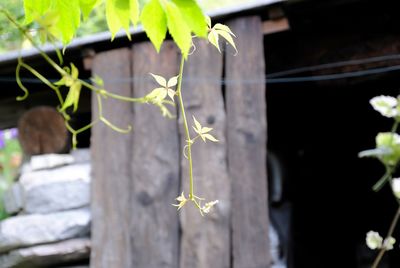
[(10, 160), (387, 151)]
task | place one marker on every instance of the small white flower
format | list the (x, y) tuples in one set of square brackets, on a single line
[(374, 240), (386, 105), (182, 201), (207, 207), (396, 187), (388, 243)]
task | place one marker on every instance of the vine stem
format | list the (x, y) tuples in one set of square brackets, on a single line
[(390, 233), (395, 126), (186, 126)]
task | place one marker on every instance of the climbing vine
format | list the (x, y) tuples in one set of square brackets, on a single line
[(183, 19)]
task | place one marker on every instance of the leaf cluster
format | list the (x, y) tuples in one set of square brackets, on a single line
[(61, 18)]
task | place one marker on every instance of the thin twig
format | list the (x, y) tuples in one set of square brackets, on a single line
[(390, 233)]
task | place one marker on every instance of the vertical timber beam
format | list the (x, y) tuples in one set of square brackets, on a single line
[(111, 156), (206, 240), (155, 168), (246, 117)]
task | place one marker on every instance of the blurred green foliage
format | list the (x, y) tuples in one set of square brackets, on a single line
[(11, 38), (10, 161)]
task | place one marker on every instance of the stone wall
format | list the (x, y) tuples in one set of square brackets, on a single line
[(50, 222)]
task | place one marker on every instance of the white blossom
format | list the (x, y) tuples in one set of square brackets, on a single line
[(396, 187), (388, 243), (374, 240), (182, 201), (207, 207), (386, 105)]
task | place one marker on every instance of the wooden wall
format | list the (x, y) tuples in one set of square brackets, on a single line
[(138, 175)]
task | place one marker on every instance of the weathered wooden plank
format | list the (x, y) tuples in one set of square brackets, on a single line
[(246, 117), (155, 167), (275, 26), (111, 157), (206, 240)]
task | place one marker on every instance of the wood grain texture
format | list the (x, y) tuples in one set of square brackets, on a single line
[(206, 240), (111, 158), (246, 117), (155, 167)]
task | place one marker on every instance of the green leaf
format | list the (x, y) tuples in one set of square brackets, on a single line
[(208, 21), (178, 28), (59, 17), (206, 129), (197, 126), (87, 7), (61, 82), (48, 25), (193, 16), (154, 22), (171, 94), (214, 39), (224, 28), (72, 98), (160, 80), (173, 81), (118, 16), (76, 89), (227, 37), (68, 19), (134, 10), (157, 95), (35, 8), (210, 137), (74, 71)]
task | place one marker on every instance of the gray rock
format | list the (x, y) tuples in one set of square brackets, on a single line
[(60, 253), (13, 199), (54, 197), (49, 191), (79, 171), (48, 161), (28, 230), (81, 155)]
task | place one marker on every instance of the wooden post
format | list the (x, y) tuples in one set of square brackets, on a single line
[(206, 240), (246, 117), (111, 164), (155, 168)]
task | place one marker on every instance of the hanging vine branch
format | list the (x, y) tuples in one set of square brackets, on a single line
[(60, 19)]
